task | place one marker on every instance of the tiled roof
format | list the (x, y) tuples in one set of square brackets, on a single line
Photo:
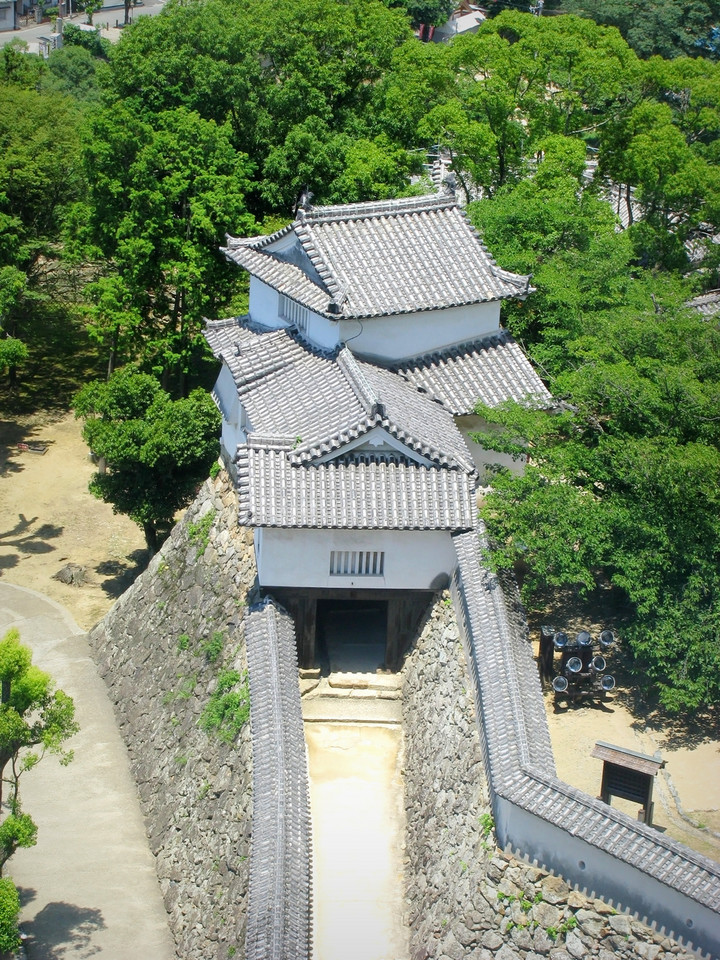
[(279, 911), (320, 402), (373, 495), (708, 304), (490, 370), (304, 406), (517, 745), (380, 259), (286, 278)]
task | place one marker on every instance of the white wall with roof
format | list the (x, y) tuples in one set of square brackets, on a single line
[(267, 307), (412, 559), (264, 305), (233, 414), (402, 336)]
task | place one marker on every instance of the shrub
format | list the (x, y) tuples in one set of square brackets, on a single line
[(9, 914)]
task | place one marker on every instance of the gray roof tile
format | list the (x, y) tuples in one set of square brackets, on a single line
[(323, 401), (517, 745), (490, 370), (708, 304), (380, 259), (362, 496)]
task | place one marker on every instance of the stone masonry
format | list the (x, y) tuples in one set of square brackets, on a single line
[(466, 899), (160, 650)]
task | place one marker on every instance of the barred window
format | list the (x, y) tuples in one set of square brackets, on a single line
[(357, 563), (291, 311)]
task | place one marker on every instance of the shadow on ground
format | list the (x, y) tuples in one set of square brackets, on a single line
[(23, 538), (60, 930), (119, 574)]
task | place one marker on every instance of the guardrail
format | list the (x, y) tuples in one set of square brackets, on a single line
[(280, 895)]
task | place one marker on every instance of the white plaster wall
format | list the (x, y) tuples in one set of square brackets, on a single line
[(414, 559), (484, 459), (264, 305), (265, 309), (323, 332), (233, 418), (602, 875), (411, 335)]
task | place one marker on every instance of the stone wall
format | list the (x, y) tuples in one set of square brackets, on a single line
[(467, 900), (160, 651)]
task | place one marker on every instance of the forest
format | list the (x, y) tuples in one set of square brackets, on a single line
[(122, 167)]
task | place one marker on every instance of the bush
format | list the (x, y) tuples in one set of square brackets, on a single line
[(90, 40), (9, 914)]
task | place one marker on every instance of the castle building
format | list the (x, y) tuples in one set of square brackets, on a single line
[(372, 328)]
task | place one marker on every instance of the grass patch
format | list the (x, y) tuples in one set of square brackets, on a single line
[(228, 709), (213, 646), (199, 532)]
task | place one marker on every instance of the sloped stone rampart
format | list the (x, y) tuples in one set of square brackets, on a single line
[(160, 650), (466, 899)]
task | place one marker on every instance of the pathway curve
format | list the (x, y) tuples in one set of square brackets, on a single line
[(89, 886)]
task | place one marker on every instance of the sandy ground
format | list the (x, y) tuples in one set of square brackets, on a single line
[(691, 773), (48, 519), (357, 874)]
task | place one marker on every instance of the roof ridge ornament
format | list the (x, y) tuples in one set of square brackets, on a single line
[(448, 187), (304, 204)]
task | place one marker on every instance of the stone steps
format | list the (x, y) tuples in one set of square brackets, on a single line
[(352, 698)]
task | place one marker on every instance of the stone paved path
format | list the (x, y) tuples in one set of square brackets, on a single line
[(89, 887)]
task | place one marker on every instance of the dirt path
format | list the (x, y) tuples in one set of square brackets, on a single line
[(358, 830), (49, 519)]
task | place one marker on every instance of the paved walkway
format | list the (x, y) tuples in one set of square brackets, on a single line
[(358, 833), (89, 887)]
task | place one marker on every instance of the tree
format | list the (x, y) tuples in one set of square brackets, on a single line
[(669, 28), (320, 60), (35, 719), (89, 8), (157, 450), (164, 192), (432, 12), (39, 178), (9, 915), (72, 71), (553, 226), (503, 90), (622, 482)]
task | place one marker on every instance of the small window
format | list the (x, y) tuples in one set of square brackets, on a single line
[(291, 311), (357, 563)]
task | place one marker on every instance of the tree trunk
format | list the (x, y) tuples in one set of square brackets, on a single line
[(151, 538), (113, 353)]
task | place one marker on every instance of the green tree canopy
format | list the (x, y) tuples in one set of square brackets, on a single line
[(157, 450), (39, 179), (670, 28), (35, 719), (163, 194)]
